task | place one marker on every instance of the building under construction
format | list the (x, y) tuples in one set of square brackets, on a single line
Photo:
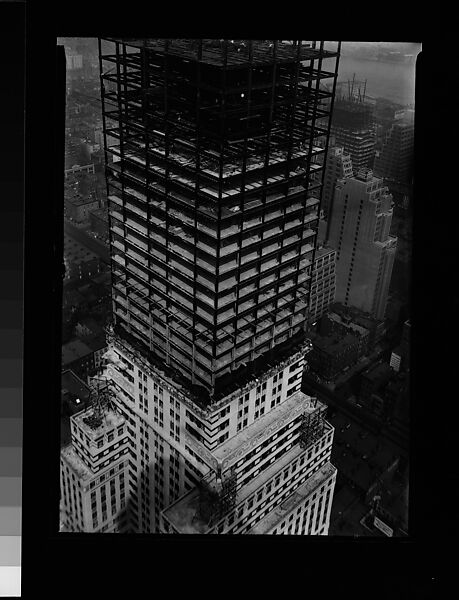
[(217, 153), (353, 123), (212, 218)]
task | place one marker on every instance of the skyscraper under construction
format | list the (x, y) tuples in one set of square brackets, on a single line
[(353, 124), (217, 147)]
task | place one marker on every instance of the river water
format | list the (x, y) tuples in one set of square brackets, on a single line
[(391, 80)]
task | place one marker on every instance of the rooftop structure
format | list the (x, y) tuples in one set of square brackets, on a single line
[(94, 466)]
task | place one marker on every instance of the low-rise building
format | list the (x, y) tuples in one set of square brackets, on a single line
[(78, 356), (79, 207), (88, 327), (351, 314), (335, 323), (79, 169), (372, 387), (79, 261), (330, 355), (98, 221), (84, 357)]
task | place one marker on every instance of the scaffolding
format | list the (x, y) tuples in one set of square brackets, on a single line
[(312, 426), (218, 147), (216, 497)]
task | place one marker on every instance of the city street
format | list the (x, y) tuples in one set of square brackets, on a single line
[(354, 413)]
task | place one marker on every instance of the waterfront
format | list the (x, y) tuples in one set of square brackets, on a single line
[(392, 80)]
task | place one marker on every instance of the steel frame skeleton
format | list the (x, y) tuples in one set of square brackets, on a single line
[(217, 148)]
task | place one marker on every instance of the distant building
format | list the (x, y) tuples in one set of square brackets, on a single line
[(78, 169), (395, 306), (88, 327), (405, 343), (75, 153), (333, 323), (395, 161), (73, 61), (79, 207), (359, 230), (362, 457), (322, 292), (332, 354), (78, 356), (351, 316), (83, 357), (71, 298), (400, 357), (353, 130), (373, 382), (396, 359), (79, 261), (98, 221)]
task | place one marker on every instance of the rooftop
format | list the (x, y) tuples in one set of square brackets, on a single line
[(73, 384), (337, 318), (74, 350), (76, 252), (97, 342), (323, 251), (109, 420), (75, 463), (333, 344), (242, 443), (184, 514), (300, 494), (100, 213), (90, 323), (357, 315), (378, 373)]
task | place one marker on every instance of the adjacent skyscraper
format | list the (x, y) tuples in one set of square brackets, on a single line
[(338, 166), (359, 230), (213, 227)]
